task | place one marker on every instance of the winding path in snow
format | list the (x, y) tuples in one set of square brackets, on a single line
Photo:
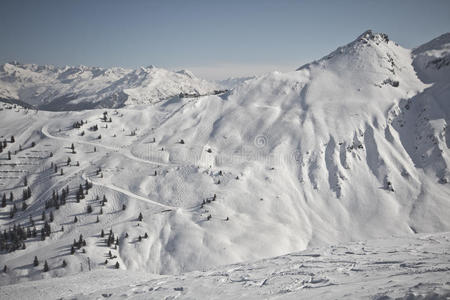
[(126, 192), (124, 152)]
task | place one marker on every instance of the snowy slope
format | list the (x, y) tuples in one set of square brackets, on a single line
[(76, 88), (394, 268), (353, 146)]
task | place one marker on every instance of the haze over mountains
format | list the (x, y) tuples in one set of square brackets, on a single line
[(350, 147)]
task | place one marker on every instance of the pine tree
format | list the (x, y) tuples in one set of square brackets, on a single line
[(89, 209), (110, 254), (62, 172), (11, 197), (35, 261), (72, 250), (75, 219), (4, 200), (102, 234), (140, 238), (117, 265), (5, 269), (43, 216), (25, 181), (9, 155), (72, 147), (98, 220), (146, 236), (68, 161), (64, 263), (51, 218), (12, 139), (124, 207), (46, 269), (140, 218)]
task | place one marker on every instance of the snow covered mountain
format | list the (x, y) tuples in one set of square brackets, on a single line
[(77, 88), (350, 147)]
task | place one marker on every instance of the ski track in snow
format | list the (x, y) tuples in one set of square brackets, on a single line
[(128, 193), (124, 152)]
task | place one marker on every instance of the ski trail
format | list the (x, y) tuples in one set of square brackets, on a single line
[(124, 152), (128, 193)]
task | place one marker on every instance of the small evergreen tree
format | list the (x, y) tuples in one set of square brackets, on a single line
[(117, 265), (102, 234), (140, 218), (4, 200), (51, 217), (5, 269), (75, 219), (46, 269), (35, 261), (72, 250), (64, 263), (25, 181)]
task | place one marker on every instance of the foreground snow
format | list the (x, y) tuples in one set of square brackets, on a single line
[(377, 269)]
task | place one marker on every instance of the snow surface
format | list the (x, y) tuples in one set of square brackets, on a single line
[(351, 147), (400, 268)]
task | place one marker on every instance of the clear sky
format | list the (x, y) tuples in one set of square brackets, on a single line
[(214, 39)]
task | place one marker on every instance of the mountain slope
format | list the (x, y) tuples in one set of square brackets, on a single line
[(350, 147), (76, 88)]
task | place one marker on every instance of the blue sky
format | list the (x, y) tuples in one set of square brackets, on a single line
[(215, 39)]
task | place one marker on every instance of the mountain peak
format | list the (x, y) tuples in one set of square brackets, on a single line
[(369, 35)]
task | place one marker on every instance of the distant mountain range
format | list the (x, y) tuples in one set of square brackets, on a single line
[(76, 88)]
